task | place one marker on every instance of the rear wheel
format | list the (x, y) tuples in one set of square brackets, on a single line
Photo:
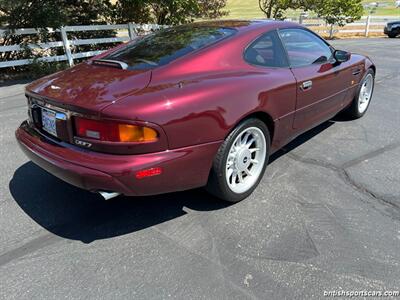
[(361, 101), (240, 162), (392, 35)]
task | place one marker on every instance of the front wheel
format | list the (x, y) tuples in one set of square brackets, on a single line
[(240, 162), (361, 102)]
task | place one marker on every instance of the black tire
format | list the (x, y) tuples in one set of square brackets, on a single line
[(353, 110), (217, 184), (392, 35)]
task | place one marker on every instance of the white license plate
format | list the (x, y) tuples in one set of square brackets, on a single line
[(49, 121)]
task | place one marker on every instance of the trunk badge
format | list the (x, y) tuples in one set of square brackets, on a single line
[(83, 143)]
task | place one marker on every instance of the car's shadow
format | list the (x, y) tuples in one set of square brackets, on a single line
[(76, 214)]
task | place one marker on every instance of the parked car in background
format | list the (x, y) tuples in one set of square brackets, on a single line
[(392, 29), (203, 104)]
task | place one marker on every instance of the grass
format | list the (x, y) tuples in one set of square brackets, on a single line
[(248, 9), (243, 9)]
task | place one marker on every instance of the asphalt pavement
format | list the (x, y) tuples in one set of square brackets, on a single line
[(326, 216)]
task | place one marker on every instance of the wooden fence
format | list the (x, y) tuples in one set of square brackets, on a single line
[(365, 26), (126, 32)]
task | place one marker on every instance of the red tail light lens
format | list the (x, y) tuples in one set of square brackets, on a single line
[(114, 131)]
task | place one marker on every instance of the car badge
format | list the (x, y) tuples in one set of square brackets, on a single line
[(83, 143)]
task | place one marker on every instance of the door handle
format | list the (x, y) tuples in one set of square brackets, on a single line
[(306, 85), (356, 71)]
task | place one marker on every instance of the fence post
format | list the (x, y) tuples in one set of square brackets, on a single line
[(131, 30), (367, 25), (67, 46)]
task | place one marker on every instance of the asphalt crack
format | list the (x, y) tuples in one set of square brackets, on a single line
[(36, 244), (343, 174), (370, 155)]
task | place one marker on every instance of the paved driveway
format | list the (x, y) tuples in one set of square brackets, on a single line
[(326, 216)]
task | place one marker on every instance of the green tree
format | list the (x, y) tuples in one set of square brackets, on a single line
[(338, 12), (174, 11), (275, 8), (212, 9), (37, 14), (167, 12), (55, 13), (332, 11), (138, 11)]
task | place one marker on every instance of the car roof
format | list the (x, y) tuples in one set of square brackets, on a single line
[(244, 25)]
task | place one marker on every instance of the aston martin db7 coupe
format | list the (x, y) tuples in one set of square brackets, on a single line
[(199, 105)]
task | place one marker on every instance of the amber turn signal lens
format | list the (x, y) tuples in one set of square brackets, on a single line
[(133, 133)]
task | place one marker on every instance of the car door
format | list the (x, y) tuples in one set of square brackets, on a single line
[(320, 86), (276, 85)]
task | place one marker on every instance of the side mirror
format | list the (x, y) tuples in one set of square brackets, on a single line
[(341, 56)]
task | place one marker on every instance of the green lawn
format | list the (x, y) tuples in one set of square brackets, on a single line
[(243, 9), (248, 9)]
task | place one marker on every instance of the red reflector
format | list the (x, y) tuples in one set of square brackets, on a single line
[(148, 173)]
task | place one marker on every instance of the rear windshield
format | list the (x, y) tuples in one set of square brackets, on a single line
[(164, 46)]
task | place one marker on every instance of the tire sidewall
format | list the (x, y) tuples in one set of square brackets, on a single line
[(220, 165), (357, 112)]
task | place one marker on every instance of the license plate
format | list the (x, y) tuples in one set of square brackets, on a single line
[(49, 121)]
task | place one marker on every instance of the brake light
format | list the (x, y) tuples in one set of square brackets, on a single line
[(113, 131)]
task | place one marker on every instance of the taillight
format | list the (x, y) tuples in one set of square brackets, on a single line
[(113, 131)]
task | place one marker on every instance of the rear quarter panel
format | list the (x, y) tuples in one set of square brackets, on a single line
[(202, 109)]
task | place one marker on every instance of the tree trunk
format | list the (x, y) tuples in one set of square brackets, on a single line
[(271, 4)]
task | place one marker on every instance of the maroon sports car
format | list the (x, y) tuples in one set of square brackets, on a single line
[(195, 105)]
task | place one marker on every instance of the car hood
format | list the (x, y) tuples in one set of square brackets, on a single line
[(90, 87)]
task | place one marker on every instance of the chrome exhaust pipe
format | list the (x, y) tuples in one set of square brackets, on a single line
[(108, 195)]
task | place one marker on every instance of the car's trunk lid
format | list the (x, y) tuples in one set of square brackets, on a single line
[(90, 87)]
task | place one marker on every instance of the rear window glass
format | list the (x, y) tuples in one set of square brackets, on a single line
[(267, 51), (164, 46)]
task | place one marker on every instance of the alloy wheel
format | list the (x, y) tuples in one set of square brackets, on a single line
[(246, 159), (365, 93)]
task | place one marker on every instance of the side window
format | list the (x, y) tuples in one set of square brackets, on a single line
[(304, 48), (266, 51)]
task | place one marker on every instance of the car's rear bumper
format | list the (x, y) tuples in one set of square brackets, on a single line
[(182, 169)]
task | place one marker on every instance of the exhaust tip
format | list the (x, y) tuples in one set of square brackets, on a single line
[(108, 195)]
